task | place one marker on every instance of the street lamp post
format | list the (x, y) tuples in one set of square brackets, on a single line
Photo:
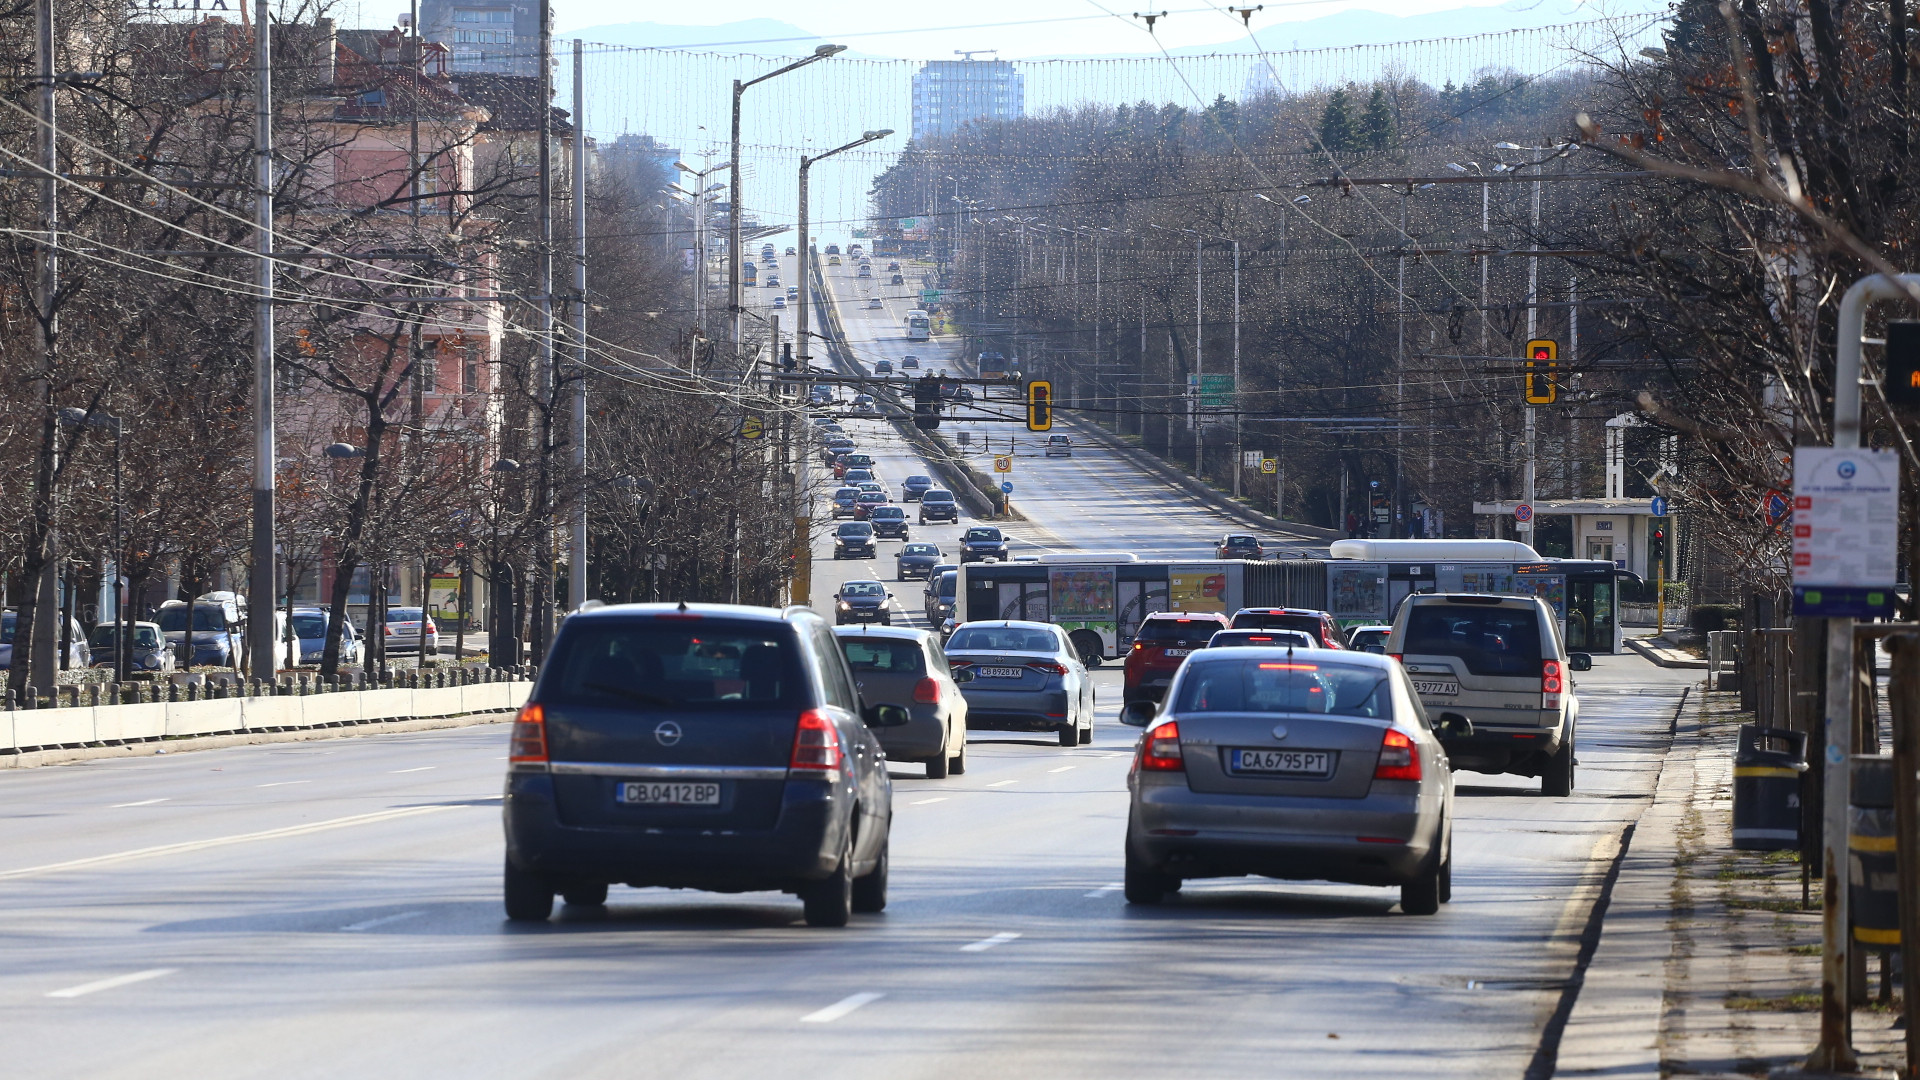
[(805, 247), (697, 201), (121, 653), (733, 164)]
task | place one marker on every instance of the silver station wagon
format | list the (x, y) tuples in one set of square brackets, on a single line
[(1307, 764)]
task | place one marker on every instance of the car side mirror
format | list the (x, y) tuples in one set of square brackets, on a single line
[(1454, 726), (1377, 650), (1579, 662), (887, 716), (1137, 713), (965, 675)]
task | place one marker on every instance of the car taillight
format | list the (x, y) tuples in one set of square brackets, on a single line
[(1552, 682), (1394, 656), (388, 629), (927, 691), (528, 745), (1399, 758), (1048, 666), (1138, 645), (816, 743), (1160, 749)]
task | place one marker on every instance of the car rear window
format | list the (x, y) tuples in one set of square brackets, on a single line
[(1001, 639), (948, 582), (1271, 620), (937, 496), (1491, 640), (1154, 631), (1269, 639), (879, 654), (1284, 686), (672, 665)]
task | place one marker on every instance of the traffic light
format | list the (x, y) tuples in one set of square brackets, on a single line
[(1543, 371), (1902, 384), (1039, 405), (926, 402), (1657, 545)]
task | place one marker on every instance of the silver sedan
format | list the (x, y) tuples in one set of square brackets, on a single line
[(1025, 676), (1306, 764)]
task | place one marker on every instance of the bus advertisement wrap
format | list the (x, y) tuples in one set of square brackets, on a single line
[(1083, 597), (1196, 588)]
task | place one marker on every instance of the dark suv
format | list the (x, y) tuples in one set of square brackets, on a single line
[(937, 504), (703, 746), (982, 542), (1163, 642), (1318, 624), (854, 539)]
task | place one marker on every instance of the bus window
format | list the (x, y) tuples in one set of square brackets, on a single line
[(1590, 616)]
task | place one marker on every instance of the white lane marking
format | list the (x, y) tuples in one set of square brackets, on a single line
[(928, 802), (1002, 783), (142, 802), (108, 984), (1104, 890), (841, 1008), (1063, 768), (422, 768), (223, 841), (988, 943), (368, 924), (284, 783)]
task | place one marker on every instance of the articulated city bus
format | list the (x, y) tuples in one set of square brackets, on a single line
[(1102, 597)]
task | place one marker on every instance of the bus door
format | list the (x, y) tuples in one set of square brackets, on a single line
[(1592, 613), (1023, 600), (1406, 578)]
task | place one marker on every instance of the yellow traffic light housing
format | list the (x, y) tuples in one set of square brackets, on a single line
[(1039, 405), (1543, 371)]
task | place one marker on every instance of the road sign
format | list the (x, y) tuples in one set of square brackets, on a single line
[(1006, 487), (1003, 463), (930, 296), (1250, 459), (963, 437), (752, 427), (1658, 506), (1777, 505), (1523, 513), (1846, 518), (1269, 465)]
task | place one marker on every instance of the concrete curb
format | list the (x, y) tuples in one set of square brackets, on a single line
[(1667, 658), (39, 758)]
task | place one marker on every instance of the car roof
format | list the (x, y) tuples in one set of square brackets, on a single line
[(1187, 615), (1475, 599), (1281, 611), (729, 611), (1021, 623)]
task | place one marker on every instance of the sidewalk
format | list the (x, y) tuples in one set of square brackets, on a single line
[(1708, 963)]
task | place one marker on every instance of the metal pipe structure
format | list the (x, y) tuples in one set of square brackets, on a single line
[(577, 550), (262, 647), (42, 666), (541, 604)]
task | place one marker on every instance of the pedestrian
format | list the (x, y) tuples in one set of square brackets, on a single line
[(1353, 524)]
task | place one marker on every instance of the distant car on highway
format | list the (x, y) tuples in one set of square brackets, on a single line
[(883, 367), (832, 249), (698, 746), (779, 303), (866, 502), (1260, 639), (853, 461), (1238, 546), (1163, 643), (793, 292), (862, 601), (980, 543), (1368, 638), (909, 362), (915, 486), (916, 561), (833, 260), (1026, 677), (1059, 446), (899, 666), (791, 251), (889, 522), (858, 476), (873, 302), (897, 279), (893, 265), (864, 404), (843, 502), (871, 485), (1307, 764), (937, 504), (853, 540), (1317, 624)]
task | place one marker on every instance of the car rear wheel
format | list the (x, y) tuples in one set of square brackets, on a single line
[(870, 891), (1087, 644), (939, 766), (1086, 734), (957, 765), (1144, 885), (586, 894), (829, 901), (529, 897), (1557, 780), (1424, 894), (1070, 736)]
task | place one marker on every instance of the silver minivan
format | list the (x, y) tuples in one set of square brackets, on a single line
[(1499, 662)]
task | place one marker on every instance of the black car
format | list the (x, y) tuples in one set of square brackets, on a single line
[(941, 585), (936, 504), (862, 601), (889, 522), (915, 486), (916, 561), (704, 746), (982, 542), (853, 539), (1239, 546)]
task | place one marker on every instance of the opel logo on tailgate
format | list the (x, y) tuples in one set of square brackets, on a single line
[(668, 733), (1279, 731)]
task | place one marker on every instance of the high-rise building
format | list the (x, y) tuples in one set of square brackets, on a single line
[(950, 94), (497, 36)]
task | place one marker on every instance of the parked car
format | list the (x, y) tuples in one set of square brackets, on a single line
[(79, 655), (980, 543), (1239, 546), (899, 666), (1261, 639), (1058, 446), (700, 746), (218, 629), (889, 522), (863, 601), (852, 540), (1026, 677), (148, 653), (310, 626), (915, 561), (1498, 662), (937, 504), (1325, 632), (942, 583), (1368, 638), (1303, 764), (865, 503), (409, 629), (1163, 642), (915, 486)]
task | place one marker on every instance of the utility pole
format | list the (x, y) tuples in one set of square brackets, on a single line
[(1394, 525), (1239, 466), (577, 554), (542, 602), (1528, 477), (1199, 344), (42, 666), (262, 646), (416, 349)]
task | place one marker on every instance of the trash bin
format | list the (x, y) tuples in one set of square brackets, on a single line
[(1766, 788), (1874, 897)]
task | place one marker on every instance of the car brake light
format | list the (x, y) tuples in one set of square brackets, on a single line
[(1399, 758), (528, 745), (1552, 682), (1138, 645), (1048, 666), (816, 742), (1160, 749), (927, 691), (1394, 655)]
